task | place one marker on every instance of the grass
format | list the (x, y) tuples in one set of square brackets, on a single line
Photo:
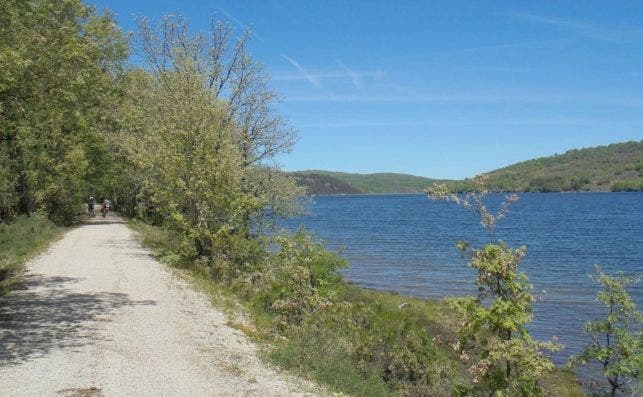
[(380, 339), (370, 344), (20, 241), (563, 383)]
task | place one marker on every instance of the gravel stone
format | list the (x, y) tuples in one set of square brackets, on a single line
[(97, 315)]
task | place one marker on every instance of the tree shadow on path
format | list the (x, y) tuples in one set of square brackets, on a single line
[(43, 316)]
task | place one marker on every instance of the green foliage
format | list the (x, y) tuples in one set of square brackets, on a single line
[(302, 280), (375, 344), (19, 241), (493, 336), (235, 257), (327, 182), (59, 66), (197, 133), (493, 339), (321, 353), (615, 167), (319, 183), (617, 340), (361, 342), (628, 186), (186, 163), (548, 184), (564, 383)]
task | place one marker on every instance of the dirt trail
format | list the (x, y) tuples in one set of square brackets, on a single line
[(98, 316)]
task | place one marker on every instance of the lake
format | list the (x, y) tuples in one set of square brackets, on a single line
[(406, 244)]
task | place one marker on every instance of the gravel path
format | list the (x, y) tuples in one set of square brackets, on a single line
[(98, 316)]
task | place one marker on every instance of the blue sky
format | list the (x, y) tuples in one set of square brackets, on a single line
[(441, 89)]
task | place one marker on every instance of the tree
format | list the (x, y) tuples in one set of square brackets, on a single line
[(224, 68), (493, 338), (186, 163), (617, 340), (198, 132), (59, 70)]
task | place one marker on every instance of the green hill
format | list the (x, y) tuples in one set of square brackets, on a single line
[(616, 167), (319, 183), (328, 182)]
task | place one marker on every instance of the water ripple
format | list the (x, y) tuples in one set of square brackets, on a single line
[(405, 243)]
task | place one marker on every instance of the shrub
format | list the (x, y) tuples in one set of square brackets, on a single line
[(493, 339), (617, 340), (627, 186), (356, 341), (393, 344), (235, 256), (301, 278)]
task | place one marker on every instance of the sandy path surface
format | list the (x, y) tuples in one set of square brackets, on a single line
[(98, 316)]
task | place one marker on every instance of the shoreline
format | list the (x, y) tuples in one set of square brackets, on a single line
[(499, 191)]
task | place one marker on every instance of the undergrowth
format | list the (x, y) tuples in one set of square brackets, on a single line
[(355, 341), (21, 240)]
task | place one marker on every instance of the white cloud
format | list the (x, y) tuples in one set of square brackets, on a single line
[(580, 28), (459, 123), (355, 77), (241, 24), (479, 98), (308, 76)]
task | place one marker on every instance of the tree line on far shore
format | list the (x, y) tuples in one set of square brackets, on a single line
[(617, 167)]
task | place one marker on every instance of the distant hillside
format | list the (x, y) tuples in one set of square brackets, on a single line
[(616, 167), (328, 182), (319, 183)]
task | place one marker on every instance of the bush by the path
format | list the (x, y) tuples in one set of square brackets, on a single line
[(356, 341)]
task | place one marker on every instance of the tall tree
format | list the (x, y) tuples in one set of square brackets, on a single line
[(199, 133), (236, 80), (59, 65), (187, 165)]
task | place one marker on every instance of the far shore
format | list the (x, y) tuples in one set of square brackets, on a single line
[(517, 192)]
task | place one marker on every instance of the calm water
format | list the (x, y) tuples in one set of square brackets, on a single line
[(405, 243)]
